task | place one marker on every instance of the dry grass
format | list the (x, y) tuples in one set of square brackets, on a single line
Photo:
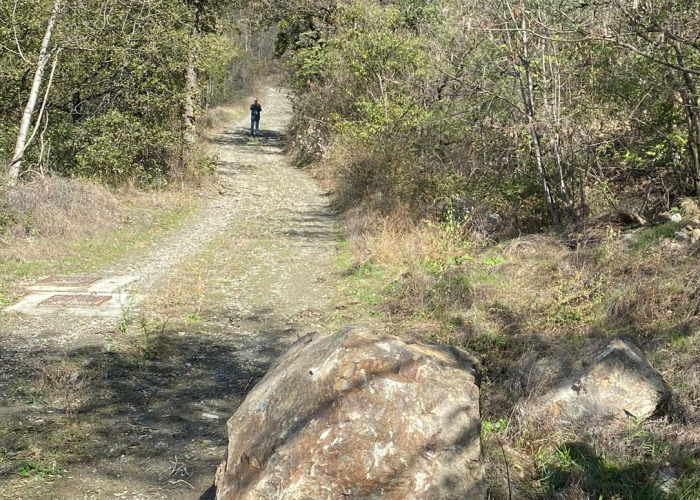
[(514, 303), (58, 207), (58, 210), (65, 384), (64, 226), (217, 119)]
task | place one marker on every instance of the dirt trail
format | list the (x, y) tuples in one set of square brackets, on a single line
[(151, 425)]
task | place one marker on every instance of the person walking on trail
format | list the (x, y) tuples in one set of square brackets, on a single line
[(255, 110)]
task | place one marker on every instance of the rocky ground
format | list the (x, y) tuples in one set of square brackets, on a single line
[(135, 406)]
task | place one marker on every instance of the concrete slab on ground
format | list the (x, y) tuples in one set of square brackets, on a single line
[(92, 296), (103, 305), (96, 284)]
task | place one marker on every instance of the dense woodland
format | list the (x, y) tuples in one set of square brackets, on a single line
[(543, 112), (112, 90), (540, 113)]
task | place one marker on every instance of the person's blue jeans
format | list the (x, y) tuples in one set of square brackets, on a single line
[(254, 125)]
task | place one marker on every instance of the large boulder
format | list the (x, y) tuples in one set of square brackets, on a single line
[(358, 415), (617, 382)]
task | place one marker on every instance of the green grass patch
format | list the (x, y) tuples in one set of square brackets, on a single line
[(575, 463), (364, 271), (29, 468), (487, 341), (654, 235), (344, 258), (194, 317), (96, 251), (493, 261), (603, 477)]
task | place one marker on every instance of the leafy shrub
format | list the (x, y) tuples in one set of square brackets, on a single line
[(28, 468), (117, 148)]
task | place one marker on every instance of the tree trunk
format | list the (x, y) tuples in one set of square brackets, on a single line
[(689, 93), (555, 114), (191, 99), (20, 146), (192, 84), (527, 94)]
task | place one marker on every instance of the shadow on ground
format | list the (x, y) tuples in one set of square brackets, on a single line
[(271, 141), (581, 466), (310, 224), (151, 414)]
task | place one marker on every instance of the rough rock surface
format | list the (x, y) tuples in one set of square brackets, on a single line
[(538, 372), (618, 382), (357, 415)]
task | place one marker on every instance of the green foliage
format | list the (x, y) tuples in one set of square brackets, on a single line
[(599, 476), (126, 303), (308, 65), (28, 468), (117, 148), (655, 234), (217, 56), (419, 103), (493, 261), (487, 341), (194, 317), (115, 109), (495, 427)]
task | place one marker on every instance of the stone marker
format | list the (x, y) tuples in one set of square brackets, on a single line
[(618, 382), (357, 415)]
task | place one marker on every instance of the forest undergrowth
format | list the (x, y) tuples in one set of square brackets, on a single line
[(519, 179), (513, 301)]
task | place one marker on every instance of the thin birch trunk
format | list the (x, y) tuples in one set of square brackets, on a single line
[(527, 93), (190, 100), (20, 146)]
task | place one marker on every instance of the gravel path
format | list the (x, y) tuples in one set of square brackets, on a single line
[(259, 188), (155, 426), (261, 198)]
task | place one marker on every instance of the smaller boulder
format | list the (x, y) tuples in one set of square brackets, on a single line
[(681, 236), (695, 236), (618, 382)]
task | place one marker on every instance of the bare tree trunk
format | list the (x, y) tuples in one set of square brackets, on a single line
[(192, 85), (691, 106), (20, 146), (527, 93), (190, 99), (553, 107), (535, 139)]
